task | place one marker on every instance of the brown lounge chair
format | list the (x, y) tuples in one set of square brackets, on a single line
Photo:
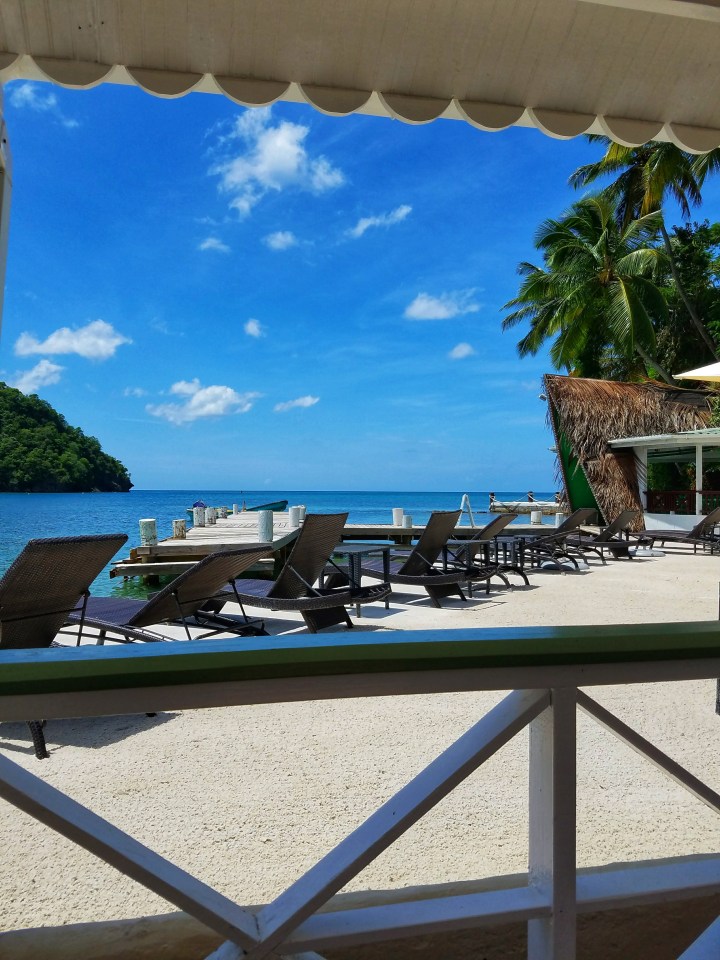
[(187, 600), (463, 554), (610, 539), (418, 568), (43, 585), (295, 587), (701, 534), (552, 547)]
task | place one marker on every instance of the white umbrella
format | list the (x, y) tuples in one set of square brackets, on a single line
[(710, 373)]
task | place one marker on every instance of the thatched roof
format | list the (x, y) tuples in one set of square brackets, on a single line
[(589, 413)]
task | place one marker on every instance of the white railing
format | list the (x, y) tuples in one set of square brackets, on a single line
[(291, 925)]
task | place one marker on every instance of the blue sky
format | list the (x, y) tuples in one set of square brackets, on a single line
[(277, 299)]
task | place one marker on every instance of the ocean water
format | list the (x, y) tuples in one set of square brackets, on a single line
[(26, 516)]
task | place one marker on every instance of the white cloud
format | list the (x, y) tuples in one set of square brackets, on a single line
[(444, 307), (280, 240), (272, 157), (134, 392), (382, 220), (461, 351), (253, 328), (30, 96), (97, 340), (213, 243), (43, 374), (307, 401), (199, 402)]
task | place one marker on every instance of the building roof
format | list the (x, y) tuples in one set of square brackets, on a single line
[(635, 70), (708, 438)]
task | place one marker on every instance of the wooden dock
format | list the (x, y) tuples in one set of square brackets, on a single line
[(172, 557)]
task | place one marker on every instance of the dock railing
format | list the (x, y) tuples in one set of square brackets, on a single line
[(544, 667)]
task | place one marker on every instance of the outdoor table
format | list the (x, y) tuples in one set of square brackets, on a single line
[(354, 553)]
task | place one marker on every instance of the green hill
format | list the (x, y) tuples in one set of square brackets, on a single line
[(41, 453)]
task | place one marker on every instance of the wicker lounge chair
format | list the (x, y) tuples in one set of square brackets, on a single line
[(701, 534), (551, 547), (418, 568), (610, 539), (188, 600), (48, 580), (294, 589), (463, 554)]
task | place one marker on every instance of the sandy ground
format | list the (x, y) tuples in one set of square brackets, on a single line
[(247, 798)]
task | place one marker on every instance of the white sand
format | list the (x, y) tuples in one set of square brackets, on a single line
[(247, 798)]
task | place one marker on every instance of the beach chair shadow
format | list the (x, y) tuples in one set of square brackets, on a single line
[(91, 733), (44, 585)]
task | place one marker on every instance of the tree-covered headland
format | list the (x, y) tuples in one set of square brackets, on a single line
[(41, 453)]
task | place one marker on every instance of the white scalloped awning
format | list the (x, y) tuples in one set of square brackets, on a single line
[(633, 69)]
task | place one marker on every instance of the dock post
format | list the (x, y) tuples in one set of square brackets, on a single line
[(236, 508), (198, 516), (148, 533), (223, 513), (209, 516), (179, 530), (265, 526)]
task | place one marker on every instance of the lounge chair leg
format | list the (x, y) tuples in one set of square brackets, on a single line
[(38, 738)]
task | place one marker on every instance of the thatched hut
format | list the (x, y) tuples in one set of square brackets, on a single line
[(587, 415)]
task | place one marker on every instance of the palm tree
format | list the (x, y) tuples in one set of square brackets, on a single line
[(646, 175), (595, 291)]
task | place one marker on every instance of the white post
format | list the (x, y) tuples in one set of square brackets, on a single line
[(223, 513), (236, 508), (148, 533), (698, 478), (294, 517), (179, 530), (198, 516), (641, 458), (552, 862), (407, 522), (265, 526), (397, 516), (209, 516)]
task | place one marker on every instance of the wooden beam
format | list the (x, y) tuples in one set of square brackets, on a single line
[(69, 818), (133, 678), (396, 816), (707, 945), (552, 846), (647, 749)]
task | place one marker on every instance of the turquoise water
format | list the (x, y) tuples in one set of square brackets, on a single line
[(25, 516)]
